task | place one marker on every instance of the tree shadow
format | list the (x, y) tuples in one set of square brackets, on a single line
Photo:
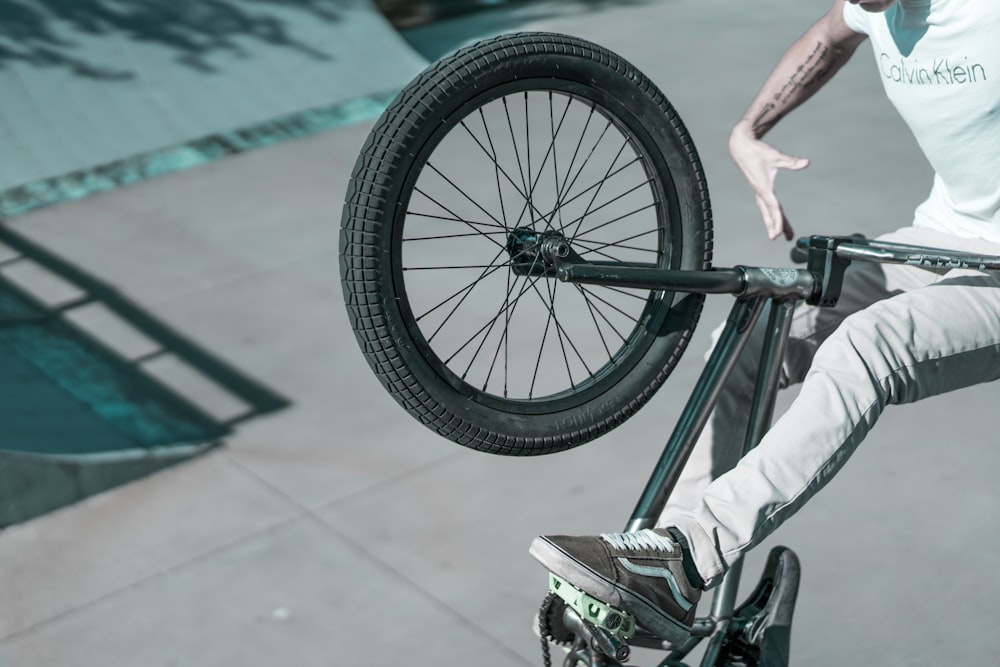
[(54, 33)]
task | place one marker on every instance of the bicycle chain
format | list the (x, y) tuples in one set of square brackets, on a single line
[(545, 627)]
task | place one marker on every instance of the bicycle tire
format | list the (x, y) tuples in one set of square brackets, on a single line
[(428, 119)]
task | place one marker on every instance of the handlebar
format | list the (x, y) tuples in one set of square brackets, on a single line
[(857, 247), (800, 251), (819, 283)]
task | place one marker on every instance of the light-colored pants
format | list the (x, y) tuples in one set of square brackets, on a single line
[(898, 334)]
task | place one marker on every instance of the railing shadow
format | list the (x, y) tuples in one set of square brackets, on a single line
[(95, 390)]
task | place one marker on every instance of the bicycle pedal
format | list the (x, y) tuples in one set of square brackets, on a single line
[(589, 608)]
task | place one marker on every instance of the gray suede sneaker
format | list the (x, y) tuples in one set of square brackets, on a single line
[(641, 573)]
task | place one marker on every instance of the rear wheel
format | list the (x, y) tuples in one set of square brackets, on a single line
[(505, 148)]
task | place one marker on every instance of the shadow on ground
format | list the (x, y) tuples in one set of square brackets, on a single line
[(96, 391), (40, 32)]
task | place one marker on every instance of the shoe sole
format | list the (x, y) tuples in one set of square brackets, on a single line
[(647, 614)]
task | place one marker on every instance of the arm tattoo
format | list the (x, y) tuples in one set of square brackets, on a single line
[(806, 79)]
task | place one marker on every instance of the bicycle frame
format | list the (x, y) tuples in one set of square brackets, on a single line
[(819, 283)]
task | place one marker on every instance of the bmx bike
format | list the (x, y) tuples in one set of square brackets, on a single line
[(525, 250)]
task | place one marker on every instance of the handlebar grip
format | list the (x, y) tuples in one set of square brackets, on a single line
[(799, 252)]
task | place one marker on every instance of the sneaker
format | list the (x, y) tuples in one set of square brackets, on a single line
[(641, 573)]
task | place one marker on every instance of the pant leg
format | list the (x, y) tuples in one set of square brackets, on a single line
[(720, 444), (904, 348)]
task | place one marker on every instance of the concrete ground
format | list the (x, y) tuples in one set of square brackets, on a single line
[(340, 532)]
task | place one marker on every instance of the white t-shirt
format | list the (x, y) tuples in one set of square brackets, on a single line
[(939, 61)]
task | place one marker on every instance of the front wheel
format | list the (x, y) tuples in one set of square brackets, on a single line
[(492, 153)]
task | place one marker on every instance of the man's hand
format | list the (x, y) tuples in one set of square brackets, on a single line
[(804, 68), (760, 163)]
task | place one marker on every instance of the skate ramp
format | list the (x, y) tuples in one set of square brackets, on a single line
[(100, 93)]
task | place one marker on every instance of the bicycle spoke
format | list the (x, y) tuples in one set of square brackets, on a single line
[(452, 266), (517, 154), (449, 236), (560, 332), (551, 214), (485, 326), (620, 217), (416, 189), (586, 161), (500, 170), (471, 287), (588, 210), (617, 245), (464, 221), (455, 295), (529, 200), (527, 146), (486, 335), (593, 317), (601, 254), (538, 360), (496, 165), (550, 306), (503, 249), (612, 306), (553, 286), (605, 205), (508, 311), (586, 295), (559, 328), (504, 337), (598, 247), (468, 288), (504, 343), (561, 188), (461, 192), (555, 156), (624, 292)]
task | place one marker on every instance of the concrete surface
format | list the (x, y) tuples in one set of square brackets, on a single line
[(340, 532)]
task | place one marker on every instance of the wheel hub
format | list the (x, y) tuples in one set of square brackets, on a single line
[(534, 253)]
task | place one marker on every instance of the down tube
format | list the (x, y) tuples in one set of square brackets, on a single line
[(761, 412), (720, 364)]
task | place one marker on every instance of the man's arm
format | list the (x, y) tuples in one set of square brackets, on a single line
[(807, 65)]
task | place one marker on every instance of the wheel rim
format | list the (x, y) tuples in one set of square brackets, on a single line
[(542, 157)]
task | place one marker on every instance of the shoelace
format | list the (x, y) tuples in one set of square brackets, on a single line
[(643, 539)]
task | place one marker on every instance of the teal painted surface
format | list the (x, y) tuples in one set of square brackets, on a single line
[(102, 178), (62, 392), (40, 416), (99, 93), (144, 412)]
